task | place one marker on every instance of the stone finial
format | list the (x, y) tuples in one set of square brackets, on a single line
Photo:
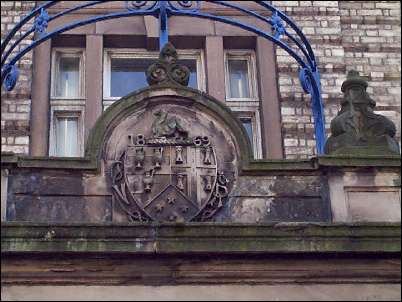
[(357, 130), (167, 70)]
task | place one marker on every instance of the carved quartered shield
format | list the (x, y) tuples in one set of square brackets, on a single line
[(169, 177)]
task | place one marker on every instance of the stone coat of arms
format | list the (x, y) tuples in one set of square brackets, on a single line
[(169, 176)]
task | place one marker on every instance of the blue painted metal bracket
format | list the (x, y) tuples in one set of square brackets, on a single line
[(284, 33)]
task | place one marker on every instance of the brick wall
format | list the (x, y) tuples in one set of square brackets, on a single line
[(15, 105), (344, 34)]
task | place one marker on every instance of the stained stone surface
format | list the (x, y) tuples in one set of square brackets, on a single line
[(280, 198), (207, 151)]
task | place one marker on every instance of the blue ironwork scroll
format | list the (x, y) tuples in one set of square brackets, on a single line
[(284, 33)]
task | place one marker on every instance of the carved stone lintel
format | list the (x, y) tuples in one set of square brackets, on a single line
[(357, 129)]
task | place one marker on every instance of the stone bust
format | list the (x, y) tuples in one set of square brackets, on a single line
[(357, 130)]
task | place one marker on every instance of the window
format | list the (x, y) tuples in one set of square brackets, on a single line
[(240, 76), (248, 125), (67, 103), (241, 94), (124, 71), (67, 76), (250, 119), (66, 132), (67, 136), (238, 79)]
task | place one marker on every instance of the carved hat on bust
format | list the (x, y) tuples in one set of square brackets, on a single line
[(354, 89), (354, 79)]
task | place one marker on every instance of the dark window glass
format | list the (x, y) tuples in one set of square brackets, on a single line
[(128, 75), (248, 125)]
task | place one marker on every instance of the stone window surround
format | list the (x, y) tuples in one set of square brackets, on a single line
[(214, 47)]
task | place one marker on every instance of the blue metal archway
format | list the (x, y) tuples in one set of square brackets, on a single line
[(285, 33)]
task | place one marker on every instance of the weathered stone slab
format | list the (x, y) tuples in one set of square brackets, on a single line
[(61, 208), (377, 205), (365, 196), (275, 209)]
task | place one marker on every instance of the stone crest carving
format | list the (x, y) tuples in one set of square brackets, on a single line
[(357, 128), (170, 176), (173, 159)]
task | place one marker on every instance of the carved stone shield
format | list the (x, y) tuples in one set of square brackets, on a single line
[(170, 176)]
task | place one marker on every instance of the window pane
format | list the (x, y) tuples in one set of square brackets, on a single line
[(192, 65), (68, 77), (128, 75), (67, 136), (238, 79), (248, 125)]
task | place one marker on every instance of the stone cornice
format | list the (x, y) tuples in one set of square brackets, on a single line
[(200, 238)]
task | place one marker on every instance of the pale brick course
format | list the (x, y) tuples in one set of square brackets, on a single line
[(357, 35), (15, 105)]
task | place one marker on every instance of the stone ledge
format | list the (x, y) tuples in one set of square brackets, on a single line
[(200, 238), (70, 163), (253, 167), (359, 161)]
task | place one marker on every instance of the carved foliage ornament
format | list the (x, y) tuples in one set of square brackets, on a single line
[(169, 176), (167, 70)]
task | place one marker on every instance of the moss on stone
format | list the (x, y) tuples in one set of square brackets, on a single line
[(201, 238)]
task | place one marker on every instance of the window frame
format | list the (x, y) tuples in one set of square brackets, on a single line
[(253, 113), (246, 108), (57, 53), (67, 106), (60, 111), (250, 57), (140, 53)]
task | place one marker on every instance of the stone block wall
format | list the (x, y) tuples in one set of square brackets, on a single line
[(345, 35), (16, 105)]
